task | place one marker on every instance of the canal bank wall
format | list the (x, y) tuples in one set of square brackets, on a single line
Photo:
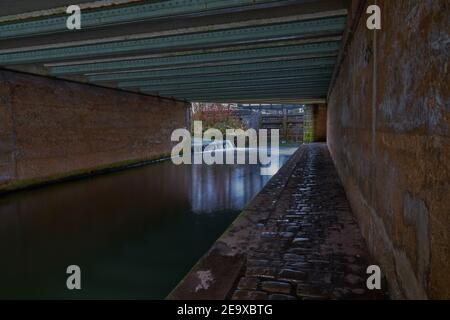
[(52, 130), (389, 136)]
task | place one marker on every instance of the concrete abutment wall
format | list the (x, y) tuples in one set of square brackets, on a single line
[(52, 129), (389, 136)]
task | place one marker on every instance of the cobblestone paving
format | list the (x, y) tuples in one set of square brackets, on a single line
[(310, 246)]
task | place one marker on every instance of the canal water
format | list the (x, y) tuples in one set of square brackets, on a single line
[(134, 233)]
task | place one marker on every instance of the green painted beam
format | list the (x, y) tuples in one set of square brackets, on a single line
[(269, 106), (254, 90), (261, 90), (253, 97), (119, 15), (303, 64), (274, 90), (252, 94), (312, 100), (241, 55), (239, 84), (284, 100), (231, 78), (219, 37)]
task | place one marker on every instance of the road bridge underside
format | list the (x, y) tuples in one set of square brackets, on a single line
[(197, 50)]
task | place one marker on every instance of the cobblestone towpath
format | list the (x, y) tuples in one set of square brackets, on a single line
[(310, 247), (296, 240)]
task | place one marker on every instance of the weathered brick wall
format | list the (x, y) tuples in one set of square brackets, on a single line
[(52, 128), (392, 149)]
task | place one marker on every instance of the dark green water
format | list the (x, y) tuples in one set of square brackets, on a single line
[(134, 233)]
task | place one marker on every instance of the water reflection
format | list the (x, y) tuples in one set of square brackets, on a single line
[(134, 233), (223, 187)]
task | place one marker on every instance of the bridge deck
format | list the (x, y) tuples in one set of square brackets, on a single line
[(197, 50)]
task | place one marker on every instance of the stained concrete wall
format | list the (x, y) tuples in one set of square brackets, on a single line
[(389, 135), (50, 128)]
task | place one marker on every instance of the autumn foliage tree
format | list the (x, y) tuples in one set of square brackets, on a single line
[(216, 115)]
